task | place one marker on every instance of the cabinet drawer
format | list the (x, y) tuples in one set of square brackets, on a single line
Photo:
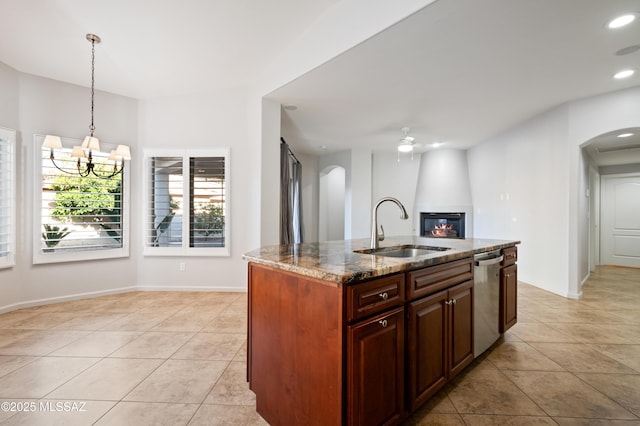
[(510, 256), (435, 278), (374, 296)]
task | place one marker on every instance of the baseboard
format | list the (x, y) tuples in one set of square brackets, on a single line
[(576, 296), (50, 300), (78, 296), (191, 288)]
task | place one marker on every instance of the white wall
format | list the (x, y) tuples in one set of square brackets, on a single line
[(208, 120), (10, 290), (587, 119), (48, 106), (520, 189), (310, 176), (9, 100), (540, 166), (332, 205), (269, 213), (395, 179), (359, 189)]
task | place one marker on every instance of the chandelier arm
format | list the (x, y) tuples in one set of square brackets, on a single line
[(86, 171), (63, 170), (115, 172)]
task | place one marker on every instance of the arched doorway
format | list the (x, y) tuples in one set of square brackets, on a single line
[(614, 197)]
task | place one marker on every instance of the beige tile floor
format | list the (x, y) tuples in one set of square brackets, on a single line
[(156, 358), (566, 362)]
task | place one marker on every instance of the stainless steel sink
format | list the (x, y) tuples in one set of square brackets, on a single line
[(403, 251)]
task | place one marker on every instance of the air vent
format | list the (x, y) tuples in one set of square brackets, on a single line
[(617, 148)]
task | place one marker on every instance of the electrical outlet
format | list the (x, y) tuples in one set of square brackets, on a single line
[(183, 266)]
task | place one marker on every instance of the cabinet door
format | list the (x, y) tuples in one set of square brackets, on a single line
[(461, 320), (508, 297), (427, 347), (375, 370)]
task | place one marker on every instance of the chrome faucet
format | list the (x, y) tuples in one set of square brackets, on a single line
[(375, 237)]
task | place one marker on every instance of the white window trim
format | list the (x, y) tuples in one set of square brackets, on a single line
[(10, 135), (57, 257), (185, 250)]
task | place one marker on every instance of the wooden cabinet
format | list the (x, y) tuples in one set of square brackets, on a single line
[(375, 370), (440, 340), (461, 332), (508, 290), (367, 353), (374, 296), (427, 347), (508, 297), (324, 354), (422, 282)]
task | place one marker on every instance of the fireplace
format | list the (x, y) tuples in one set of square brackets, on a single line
[(442, 225)]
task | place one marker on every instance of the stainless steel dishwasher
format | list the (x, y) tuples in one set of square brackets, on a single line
[(486, 300)]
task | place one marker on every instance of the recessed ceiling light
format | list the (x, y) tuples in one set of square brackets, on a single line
[(621, 21), (625, 135), (624, 74)]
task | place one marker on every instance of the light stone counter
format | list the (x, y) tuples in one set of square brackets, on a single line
[(336, 262)]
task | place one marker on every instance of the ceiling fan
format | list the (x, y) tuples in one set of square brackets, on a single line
[(406, 144)]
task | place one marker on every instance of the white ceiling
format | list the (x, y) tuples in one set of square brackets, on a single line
[(458, 71), (461, 71), (152, 48)]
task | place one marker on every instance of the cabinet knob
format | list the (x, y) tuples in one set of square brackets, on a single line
[(448, 302), (384, 295), (453, 301), (383, 322)]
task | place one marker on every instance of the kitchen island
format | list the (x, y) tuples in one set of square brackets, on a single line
[(340, 337)]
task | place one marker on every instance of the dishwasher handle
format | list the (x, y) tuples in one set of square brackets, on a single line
[(489, 262)]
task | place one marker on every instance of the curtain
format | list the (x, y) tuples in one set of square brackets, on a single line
[(290, 197)]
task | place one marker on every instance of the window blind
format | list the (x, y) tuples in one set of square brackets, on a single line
[(207, 201), (79, 213), (187, 203), (7, 197), (165, 211)]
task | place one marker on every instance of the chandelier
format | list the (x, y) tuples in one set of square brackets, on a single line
[(90, 144)]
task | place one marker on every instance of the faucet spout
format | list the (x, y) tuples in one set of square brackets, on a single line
[(375, 238)]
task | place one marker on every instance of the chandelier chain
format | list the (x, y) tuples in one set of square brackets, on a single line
[(93, 69), (90, 143)]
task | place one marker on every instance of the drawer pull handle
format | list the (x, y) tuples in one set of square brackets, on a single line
[(383, 322), (384, 295)]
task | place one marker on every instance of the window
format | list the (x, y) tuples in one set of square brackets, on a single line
[(187, 206), (80, 218), (7, 197)]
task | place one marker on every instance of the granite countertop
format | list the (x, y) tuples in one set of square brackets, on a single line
[(335, 261)]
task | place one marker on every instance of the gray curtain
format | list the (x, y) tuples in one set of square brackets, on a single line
[(290, 197)]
